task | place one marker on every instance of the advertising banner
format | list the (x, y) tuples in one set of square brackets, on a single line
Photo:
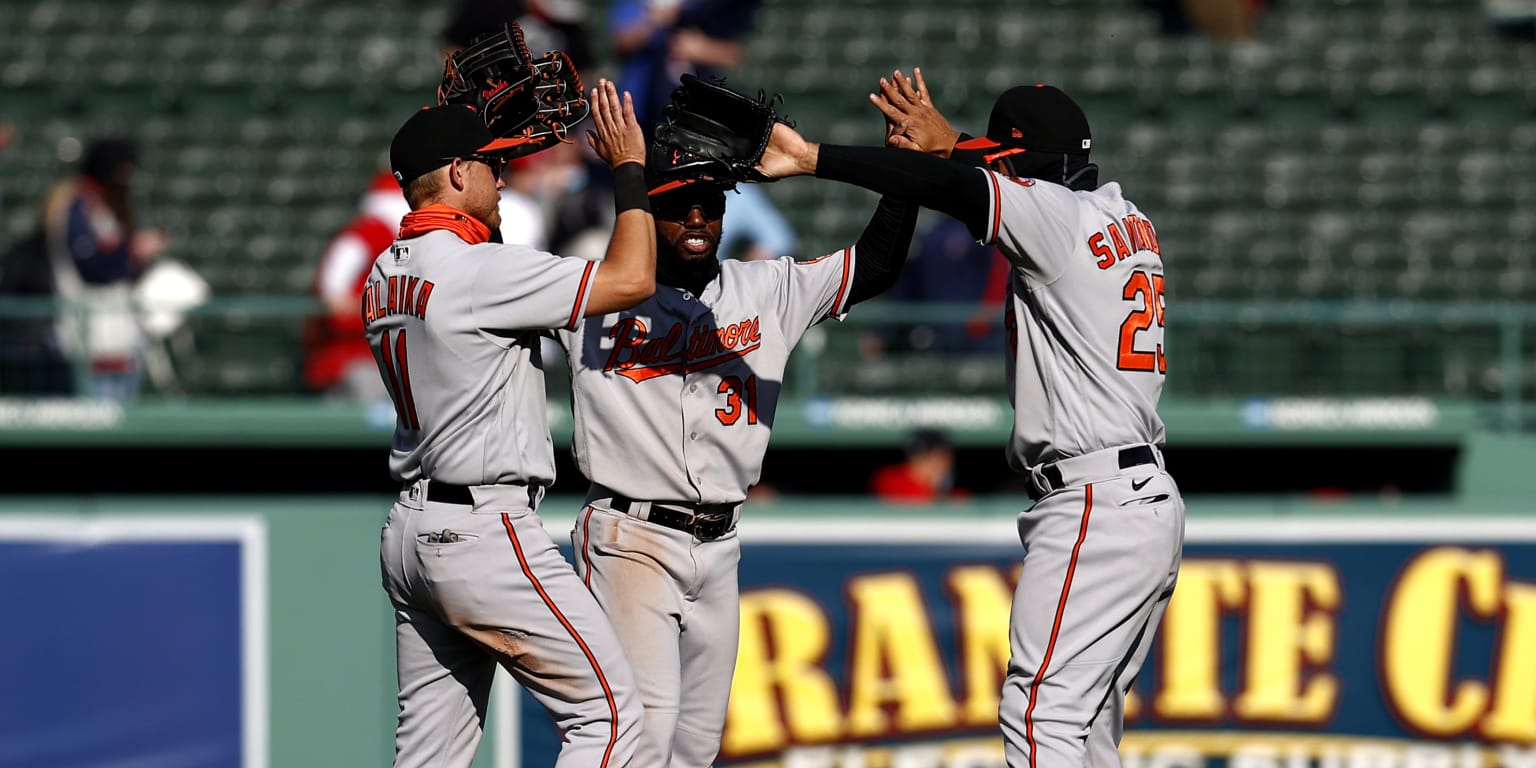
[(1292, 643), (133, 642)]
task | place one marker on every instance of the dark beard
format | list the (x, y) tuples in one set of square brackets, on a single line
[(693, 275)]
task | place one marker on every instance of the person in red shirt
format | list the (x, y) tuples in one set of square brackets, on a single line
[(926, 476), (337, 360)]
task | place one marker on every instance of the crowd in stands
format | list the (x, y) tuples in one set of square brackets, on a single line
[(86, 244)]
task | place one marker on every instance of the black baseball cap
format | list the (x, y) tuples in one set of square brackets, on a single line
[(1031, 118), (434, 136), (668, 169)]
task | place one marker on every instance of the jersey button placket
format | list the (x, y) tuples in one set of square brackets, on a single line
[(694, 404)]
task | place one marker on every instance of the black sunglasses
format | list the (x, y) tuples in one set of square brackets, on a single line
[(679, 205), (497, 164)]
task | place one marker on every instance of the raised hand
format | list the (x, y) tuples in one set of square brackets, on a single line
[(911, 119), (617, 138), (788, 154)]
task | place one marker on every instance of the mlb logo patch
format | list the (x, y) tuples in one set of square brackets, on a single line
[(402, 253)]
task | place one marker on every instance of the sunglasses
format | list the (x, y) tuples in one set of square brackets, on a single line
[(678, 206), (497, 164)]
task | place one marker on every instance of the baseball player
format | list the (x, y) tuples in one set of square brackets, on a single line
[(673, 401), (454, 323), (1085, 321)]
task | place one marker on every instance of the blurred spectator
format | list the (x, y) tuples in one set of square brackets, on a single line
[(926, 476), (1513, 19), (88, 250), (948, 266), (657, 41), (1218, 19), (552, 194), (337, 360)]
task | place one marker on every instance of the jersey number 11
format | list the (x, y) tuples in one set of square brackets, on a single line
[(397, 376)]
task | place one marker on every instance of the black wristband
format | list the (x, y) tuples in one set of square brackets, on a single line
[(629, 192)]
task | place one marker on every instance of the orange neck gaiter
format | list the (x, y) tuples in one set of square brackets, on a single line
[(439, 216)]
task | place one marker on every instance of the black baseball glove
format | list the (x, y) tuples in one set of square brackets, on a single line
[(532, 101), (717, 132)]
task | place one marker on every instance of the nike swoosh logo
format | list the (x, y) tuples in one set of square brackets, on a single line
[(1135, 486)]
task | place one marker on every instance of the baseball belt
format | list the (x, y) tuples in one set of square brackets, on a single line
[(1077, 470), (706, 522), (448, 493)]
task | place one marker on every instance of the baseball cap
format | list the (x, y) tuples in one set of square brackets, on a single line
[(1031, 118), (668, 169), (434, 136)]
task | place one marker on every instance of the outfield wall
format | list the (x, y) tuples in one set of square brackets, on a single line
[(1387, 633)]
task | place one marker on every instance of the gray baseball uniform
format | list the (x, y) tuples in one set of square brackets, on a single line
[(1104, 539), (473, 577), (674, 401)]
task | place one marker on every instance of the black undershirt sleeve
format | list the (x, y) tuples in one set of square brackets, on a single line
[(882, 249), (952, 187)]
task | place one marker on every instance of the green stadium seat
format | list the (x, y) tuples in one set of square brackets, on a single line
[(1356, 149)]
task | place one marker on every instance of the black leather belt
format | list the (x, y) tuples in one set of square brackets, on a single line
[(1134, 456), (706, 522), (448, 493)]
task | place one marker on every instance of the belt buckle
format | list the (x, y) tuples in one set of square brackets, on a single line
[(710, 522)]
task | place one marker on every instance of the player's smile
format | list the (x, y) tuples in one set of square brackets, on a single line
[(696, 242)]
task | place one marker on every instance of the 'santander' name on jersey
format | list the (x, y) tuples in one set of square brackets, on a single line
[(399, 295), (1128, 235), (638, 358)]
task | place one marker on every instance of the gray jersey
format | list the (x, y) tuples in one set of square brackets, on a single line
[(455, 330), (675, 398), (1085, 319)]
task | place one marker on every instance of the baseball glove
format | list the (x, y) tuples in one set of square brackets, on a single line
[(534, 101), (717, 132)]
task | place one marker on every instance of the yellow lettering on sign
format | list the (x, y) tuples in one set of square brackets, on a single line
[(1419, 637), (1513, 716), (894, 661), (1291, 610), (1191, 642), (784, 637), (982, 604)]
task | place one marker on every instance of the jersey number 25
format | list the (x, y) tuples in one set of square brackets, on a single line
[(1146, 289)]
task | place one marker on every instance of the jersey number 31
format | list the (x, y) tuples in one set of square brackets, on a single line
[(1146, 289)]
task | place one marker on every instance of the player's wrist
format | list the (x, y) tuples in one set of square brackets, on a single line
[(808, 159), (629, 191)]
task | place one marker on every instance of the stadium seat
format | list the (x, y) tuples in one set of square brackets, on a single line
[(1357, 149)]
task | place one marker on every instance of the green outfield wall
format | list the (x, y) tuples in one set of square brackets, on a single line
[(329, 634)]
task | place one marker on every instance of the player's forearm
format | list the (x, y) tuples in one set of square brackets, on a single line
[(882, 250), (943, 185), (627, 275)]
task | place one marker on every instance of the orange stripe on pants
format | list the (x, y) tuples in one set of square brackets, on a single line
[(613, 707), (1061, 607)]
